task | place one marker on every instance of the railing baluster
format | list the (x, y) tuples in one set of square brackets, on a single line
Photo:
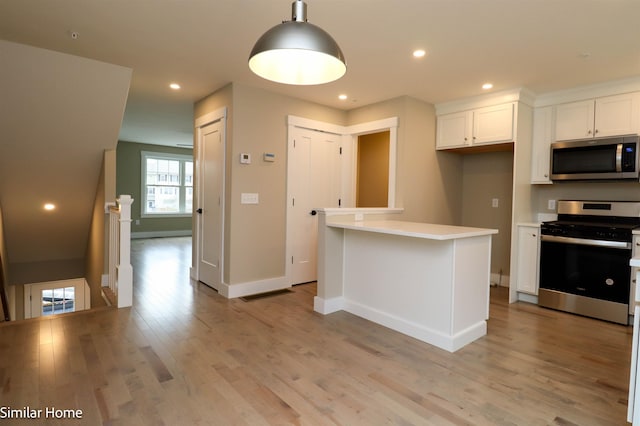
[(120, 269)]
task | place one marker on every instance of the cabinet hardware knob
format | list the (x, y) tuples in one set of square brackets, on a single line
[(588, 132), (533, 235), (546, 175), (596, 131)]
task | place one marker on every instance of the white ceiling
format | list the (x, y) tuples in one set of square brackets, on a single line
[(543, 45)]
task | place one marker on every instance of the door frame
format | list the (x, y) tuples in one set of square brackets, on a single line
[(349, 142), (201, 122)]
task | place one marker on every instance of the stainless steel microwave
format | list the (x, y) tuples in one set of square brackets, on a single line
[(596, 159)]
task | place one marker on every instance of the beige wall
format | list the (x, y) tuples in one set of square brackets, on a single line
[(608, 191), (95, 258), (428, 182), (257, 123), (487, 176), (428, 186)]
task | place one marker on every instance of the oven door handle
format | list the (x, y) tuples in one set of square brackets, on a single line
[(586, 242)]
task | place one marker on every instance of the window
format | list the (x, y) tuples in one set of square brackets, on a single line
[(58, 300), (167, 181)]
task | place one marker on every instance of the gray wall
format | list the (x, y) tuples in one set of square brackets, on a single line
[(128, 181)]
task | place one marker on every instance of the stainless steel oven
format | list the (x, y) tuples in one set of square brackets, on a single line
[(584, 259)]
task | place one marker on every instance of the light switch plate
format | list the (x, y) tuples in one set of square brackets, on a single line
[(249, 198)]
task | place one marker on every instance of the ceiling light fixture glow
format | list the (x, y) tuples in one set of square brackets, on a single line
[(297, 52), (174, 86), (342, 97), (419, 53), (487, 86), (49, 206)]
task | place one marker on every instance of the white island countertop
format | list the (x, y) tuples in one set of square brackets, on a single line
[(414, 229)]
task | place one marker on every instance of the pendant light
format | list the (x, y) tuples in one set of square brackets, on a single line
[(297, 52)]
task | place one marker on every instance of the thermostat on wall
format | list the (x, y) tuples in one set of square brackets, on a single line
[(245, 158), (268, 156)]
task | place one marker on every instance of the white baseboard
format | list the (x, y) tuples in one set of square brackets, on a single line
[(328, 306), (529, 298), (160, 234), (420, 332), (499, 280), (231, 291)]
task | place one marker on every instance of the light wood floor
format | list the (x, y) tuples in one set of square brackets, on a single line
[(183, 355)]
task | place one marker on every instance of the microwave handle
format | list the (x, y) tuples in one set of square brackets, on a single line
[(619, 158)]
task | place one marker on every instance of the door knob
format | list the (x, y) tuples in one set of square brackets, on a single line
[(199, 211), (313, 212)]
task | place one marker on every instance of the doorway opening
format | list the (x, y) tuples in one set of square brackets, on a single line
[(372, 170)]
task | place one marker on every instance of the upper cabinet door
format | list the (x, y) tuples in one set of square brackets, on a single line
[(541, 145), (617, 115), (454, 130), (493, 124), (575, 120)]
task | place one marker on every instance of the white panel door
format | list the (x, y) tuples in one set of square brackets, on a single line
[(313, 182), (211, 197)]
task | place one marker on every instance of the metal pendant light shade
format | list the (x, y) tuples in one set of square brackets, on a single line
[(297, 52)]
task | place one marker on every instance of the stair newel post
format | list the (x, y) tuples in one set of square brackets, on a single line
[(125, 270)]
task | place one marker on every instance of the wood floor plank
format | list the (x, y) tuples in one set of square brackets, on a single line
[(183, 354)]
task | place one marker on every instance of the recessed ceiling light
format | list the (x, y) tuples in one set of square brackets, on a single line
[(487, 86), (419, 53), (49, 206), (342, 97), (175, 86)]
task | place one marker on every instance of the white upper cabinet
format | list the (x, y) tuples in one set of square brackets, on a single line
[(541, 145), (606, 116), (482, 126), (454, 130), (493, 124)]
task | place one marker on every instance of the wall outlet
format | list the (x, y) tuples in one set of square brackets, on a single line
[(494, 203), (137, 221), (551, 204)]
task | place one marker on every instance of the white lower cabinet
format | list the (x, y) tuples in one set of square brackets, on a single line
[(528, 258)]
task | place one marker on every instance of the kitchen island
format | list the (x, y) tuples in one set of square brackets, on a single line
[(428, 281)]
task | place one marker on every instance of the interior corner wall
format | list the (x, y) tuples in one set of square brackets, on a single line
[(428, 182), (95, 255), (129, 181), (488, 176)]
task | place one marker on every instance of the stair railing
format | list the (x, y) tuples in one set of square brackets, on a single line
[(120, 269)]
